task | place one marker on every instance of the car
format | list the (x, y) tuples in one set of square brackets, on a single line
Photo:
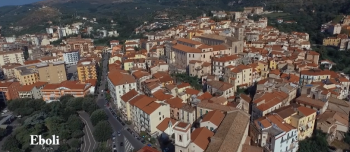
[(118, 133), (143, 141), (138, 138), (121, 144), (123, 123), (115, 151)]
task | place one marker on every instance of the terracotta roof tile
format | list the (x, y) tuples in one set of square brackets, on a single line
[(214, 117), (165, 123), (201, 136), (129, 95)]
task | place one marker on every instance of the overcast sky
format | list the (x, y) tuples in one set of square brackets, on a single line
[(16, 2)]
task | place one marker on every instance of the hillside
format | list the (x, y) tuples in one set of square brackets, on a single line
[(134, 12)]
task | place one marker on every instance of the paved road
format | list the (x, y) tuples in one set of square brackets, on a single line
[(129, 141), (89, 142)]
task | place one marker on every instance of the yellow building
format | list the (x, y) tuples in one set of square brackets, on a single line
[(331, 41), (26, 75), (300, 117), (263, 68), (115, 57), (86, 70), (272, 64)]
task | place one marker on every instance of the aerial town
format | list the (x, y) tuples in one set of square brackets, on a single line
[(234, 85)]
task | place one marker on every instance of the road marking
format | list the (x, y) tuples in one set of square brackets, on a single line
[(127, 146), (90, 132), (86, 134)]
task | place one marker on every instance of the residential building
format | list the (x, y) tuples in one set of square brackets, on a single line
[(264, 103), (9, 90), (119, 83), (54, 72), (318, 105), (273, 134), (86, 70), (204, 107), (83, 45), (32, 91), (334, 124), (220, 62), (212, 120), (220, 88), (26, 75), (9, 70), (71, 57), (300, 117), (187, 114), (331, 41), (199, 68), (53, 92), (147, 113), (241, 75), (334, 29), (313, 75), (11, 57)]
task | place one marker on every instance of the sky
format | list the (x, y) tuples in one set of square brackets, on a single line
[(16, 2)]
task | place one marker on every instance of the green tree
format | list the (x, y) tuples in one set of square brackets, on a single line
[(89, 105), (11, 144), (75, 103), (318, 142), (97, 116), (74, 143), (3, 133), (102, 131), (75, 123)]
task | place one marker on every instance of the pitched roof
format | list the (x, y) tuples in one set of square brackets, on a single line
[(214, 117), (73, 85), (148, 149), (175, 102), (165, 123), (160, 95), (118, 78), (129, 95), (230, 133), (201, 137)]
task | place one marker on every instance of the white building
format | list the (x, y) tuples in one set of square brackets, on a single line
[(71, 57), (119, 83), (147, 114), (275, 134)]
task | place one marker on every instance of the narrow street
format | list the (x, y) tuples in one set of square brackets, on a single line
[(129, 141)]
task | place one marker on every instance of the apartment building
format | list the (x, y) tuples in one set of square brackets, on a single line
[(11, 57), (266, 102), (119, 83), (221, 61), (86, 70), (84, 46), (9, 69), (71, 57), (26, 75), (241, 75), (302, 118), (187, 114), (147, 113), (313, 75), (220, 88), (54, 72), (319, 105), (212, 120), (331, 41), (53, 92), (141, 76), (32, 91), (273, 134), (9, 90), (199, 68)]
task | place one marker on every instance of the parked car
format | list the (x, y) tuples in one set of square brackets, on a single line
[(121, 144)]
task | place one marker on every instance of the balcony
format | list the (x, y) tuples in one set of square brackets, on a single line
[(199, 68)]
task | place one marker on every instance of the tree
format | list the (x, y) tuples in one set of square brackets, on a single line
[(74, 143), (89, 105), (3, 133), (97, 116), (102, 131), (75, 123), (318, 142), (75, 103), (11, 144)]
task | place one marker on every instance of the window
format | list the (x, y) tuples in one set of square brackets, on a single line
[(159, 113), (180, 138), (160, 118)]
